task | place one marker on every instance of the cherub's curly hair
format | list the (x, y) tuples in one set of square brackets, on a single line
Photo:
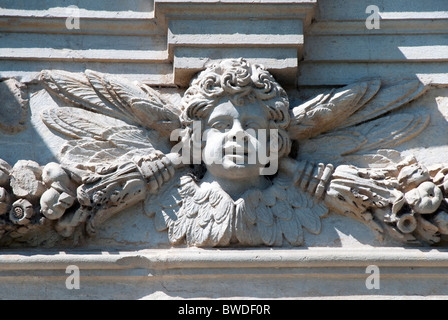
[(240, 81)]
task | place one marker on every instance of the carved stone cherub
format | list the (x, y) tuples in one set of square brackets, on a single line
[(219, 169), (236, 200)]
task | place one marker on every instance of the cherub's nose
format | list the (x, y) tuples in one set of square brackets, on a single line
[(237, 133)]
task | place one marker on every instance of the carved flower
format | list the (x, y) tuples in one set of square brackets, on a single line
[(424, 199), (21, 212)]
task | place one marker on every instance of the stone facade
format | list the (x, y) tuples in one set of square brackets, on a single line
[(356, 109)]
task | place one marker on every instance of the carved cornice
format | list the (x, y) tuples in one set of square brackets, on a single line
[(195, 260), (266, 32), (163, 46), (183, 273), (408, 43)]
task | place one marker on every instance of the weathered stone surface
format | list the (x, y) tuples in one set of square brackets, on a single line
[(117, 156), (361, 166), (410, 43), (14, 106), (26, 180), (153, 41)]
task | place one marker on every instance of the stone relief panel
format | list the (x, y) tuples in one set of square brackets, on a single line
[(234, 163)]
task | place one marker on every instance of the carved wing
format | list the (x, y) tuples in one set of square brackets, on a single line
[(355, 120), (209, 217), (199, 216), (108, 118), (93, 142), (283, 210), (362, 122), (133, 102)]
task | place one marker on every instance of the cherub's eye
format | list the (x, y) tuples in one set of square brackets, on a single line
[(220, 125), (252, 125)]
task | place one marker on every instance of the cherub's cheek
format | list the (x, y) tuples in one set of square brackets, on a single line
[(217, 139), (210, 133)]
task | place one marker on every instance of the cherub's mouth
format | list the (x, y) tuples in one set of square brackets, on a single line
[(235, 150), (237, 156)]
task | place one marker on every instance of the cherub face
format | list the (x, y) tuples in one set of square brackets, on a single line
[(231, 147)]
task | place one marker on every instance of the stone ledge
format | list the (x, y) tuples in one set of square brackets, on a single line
[(226, 273), (195, 258)]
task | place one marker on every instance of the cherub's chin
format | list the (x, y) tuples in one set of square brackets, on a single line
[(235, 161), (240, 170)]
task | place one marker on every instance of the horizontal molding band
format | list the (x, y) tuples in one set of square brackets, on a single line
[(400, 9), (236, 32), (91, 22), (194, 258), (387, 27), (336, 273), (373, 48), (193, 9), (156, 74), (47, 54), (88, 25), (236, 9), (61, 12), (312, 73), (218, 41)]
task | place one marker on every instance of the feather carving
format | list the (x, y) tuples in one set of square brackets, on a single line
[(356, 120), (350, 106), (134, 103)]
